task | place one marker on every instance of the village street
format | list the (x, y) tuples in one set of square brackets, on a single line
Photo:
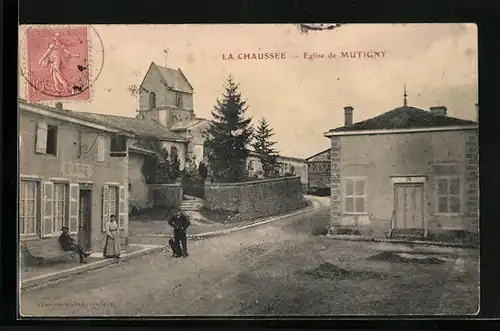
[(266, 270)]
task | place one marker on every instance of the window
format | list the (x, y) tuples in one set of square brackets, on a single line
[(60, 207), (152, 100), (28, 203), (101, 149), (178, 100), (113, 200), (355, 195), (113, 203), (129, 186), (118, 146), (448, 195), (52, 140), (46, 139)]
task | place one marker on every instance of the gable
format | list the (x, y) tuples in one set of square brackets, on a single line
[(152, 81), (320, 157), (173, 79)]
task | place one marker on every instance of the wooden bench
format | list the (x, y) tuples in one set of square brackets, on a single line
[(45, 250)]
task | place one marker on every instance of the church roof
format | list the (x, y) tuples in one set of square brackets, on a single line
[(174, 78), (143, 128), (405, 117)]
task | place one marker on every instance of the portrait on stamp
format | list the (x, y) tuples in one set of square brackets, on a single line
[(248, 170)]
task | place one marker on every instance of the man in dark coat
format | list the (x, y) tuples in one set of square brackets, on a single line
[(69, 244), (180, 223)]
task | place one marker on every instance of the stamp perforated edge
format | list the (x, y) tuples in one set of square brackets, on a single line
[(23, 61)]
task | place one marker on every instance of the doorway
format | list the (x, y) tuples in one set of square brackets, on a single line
[(85, 216), (409, 206)]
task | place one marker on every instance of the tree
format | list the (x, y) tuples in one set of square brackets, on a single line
[(157, 168), (263, 146), (229, 134), (202, 170)]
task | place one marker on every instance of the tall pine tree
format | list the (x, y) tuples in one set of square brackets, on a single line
[(263, 145), (229, 135)]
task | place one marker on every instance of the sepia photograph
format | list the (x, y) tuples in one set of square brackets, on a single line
[(248, 170)]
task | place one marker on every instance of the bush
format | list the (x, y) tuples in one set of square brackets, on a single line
[(321, 231), (320, 192)]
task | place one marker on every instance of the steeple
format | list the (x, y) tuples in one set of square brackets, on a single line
[(405, 101)]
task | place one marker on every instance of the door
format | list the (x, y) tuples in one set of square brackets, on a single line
[(409, 206), (84, 222)]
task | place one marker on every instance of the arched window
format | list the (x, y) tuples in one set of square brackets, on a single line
[(152, 100)]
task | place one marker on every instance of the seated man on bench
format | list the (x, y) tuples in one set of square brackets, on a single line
[(69, 244)]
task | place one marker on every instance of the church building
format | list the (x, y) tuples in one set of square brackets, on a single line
[(166, 97)]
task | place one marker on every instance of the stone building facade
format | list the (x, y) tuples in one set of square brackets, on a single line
[(406, 173), (73, 172)]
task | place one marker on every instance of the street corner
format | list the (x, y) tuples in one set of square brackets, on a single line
[(36, 277)]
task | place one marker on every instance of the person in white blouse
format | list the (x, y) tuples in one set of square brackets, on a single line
[(112, 247)]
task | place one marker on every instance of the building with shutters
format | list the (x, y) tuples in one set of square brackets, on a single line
[(407, 173), (319, 173), (73, 172), (285, 165)]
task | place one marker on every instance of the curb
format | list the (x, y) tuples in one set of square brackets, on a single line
[(315, 205), (39, 281), (409, 246)]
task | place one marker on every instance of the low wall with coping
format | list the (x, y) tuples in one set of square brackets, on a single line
[(165, 195), (255, 199)]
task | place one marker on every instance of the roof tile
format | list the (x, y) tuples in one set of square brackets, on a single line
[(175, 79), (136, 126), (404, 118)]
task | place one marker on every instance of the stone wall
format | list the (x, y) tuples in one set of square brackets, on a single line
[(255, 199), (335, 192), (472, 185), (165, 195), (319, 173)]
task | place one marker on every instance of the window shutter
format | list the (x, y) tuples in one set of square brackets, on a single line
[(105, 206), (47, 208), (74, 191), (41, 138), (100, 149), (122, 213)]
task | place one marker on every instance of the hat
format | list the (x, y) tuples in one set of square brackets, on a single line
[(64, 228)]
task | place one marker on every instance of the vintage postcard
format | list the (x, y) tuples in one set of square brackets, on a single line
[(232, 170)]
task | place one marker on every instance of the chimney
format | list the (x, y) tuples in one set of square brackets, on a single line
[(477, 112), (59, 106), (438, 110), (348, 115)]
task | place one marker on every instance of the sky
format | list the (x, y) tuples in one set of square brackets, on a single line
[(300, 98)]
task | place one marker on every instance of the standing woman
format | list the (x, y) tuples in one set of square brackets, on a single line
[(112, 247)]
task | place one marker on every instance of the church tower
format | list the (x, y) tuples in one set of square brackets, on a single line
[(165, 96)]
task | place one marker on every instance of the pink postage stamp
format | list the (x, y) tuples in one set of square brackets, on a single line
[(58, 63)]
